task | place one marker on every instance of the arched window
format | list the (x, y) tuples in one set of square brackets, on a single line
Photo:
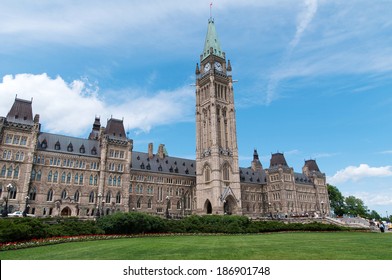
[(55, 176), (207, 174), (118, 197), (33, 173), (91, 197), (76, 178), (119, 181), (149, 203), (49, 196), (9, 171), (110, 180), (81, 179), (16, 172), (108, 197), (64, 194), (39, 175), (114, 181), (226, 172), (12, 194), (69, 178), (96, 180), (91, 179), (139, 203), (76, 196), (63, 177), (178, 205), (33, 193), (50, 176), (3, 170)]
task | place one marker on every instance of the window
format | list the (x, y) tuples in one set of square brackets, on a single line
[(64, 194), (9, 171), (139, 203), (76, 196), (16, 140), (119, 181), (96, 180), (56, 175), (23, 140), (110, 180), (91, 197), (81, 179), (68, 178), (226, 172), (76, 178), (16, 172), (49, 196), (118, 197), (12, 194), (39, 175), (3, 170), (57, 146), (63, 177), (91, 180), (50, 176), (207, 174), (8, 138), (33, 193), (149, 203), (70, 147), (33, 173), (108, 197)]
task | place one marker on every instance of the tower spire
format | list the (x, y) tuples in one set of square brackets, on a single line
[(212, 43)]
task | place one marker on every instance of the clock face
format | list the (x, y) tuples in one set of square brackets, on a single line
[(207, 67), (218, 66)]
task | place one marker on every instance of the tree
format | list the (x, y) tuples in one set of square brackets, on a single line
[(374, 215), (355, 206), (336, 200)]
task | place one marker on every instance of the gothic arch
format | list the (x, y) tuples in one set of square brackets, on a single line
[(66, 211), (208, 207), (229, 205)]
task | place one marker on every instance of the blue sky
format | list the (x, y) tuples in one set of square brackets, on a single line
[(314, 77)]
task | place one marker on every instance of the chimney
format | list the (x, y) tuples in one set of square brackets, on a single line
[(161, 151), (150, 151)]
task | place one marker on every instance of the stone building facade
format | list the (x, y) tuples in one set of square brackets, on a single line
[(56, 175)]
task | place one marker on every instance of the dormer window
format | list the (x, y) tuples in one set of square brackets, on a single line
[(44, 144), (82, 150), (70, 147), (94, 151), (57, 145)]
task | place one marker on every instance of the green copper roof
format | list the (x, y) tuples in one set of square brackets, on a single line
[(212, 41)]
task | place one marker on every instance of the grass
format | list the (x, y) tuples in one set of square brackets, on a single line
[(275, 246)]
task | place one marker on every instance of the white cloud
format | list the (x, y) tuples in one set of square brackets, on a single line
[(355, 173), (375, 198), (70, 108), (304, 19)]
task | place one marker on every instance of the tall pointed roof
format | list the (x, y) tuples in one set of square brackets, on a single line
[(212, 41), (21, 111)]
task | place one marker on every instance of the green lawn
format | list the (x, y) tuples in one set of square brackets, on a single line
[(275, 246)]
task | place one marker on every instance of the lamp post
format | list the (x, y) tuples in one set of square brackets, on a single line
[(269, 209), (26, 207), (167, 206), (5, 211), (98, 214), (322, 209)]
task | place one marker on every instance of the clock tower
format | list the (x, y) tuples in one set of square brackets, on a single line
[(217, 172)]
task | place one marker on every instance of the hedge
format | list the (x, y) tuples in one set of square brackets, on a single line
[(21, 229)]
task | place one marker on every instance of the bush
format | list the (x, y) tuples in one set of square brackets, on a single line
[(131, 223)]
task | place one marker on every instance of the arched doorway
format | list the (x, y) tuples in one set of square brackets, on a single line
[(208, 207), (229, 205), (66, 211)]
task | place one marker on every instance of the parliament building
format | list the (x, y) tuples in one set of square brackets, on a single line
[(48, 174)]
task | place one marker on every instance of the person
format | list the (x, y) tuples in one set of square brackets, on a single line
[(382, 227)]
